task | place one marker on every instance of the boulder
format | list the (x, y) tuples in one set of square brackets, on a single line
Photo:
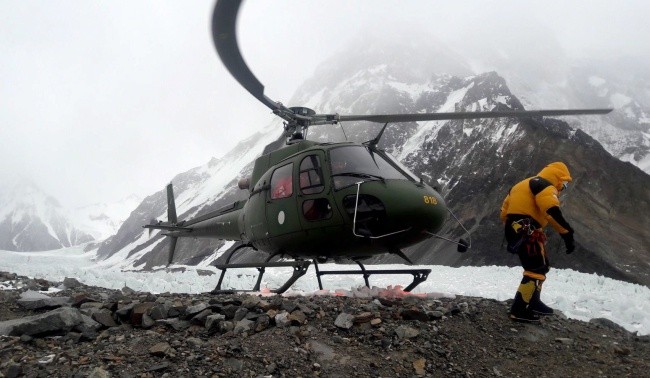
[(61, 320)]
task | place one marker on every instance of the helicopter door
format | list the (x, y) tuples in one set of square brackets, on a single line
[(316, 210), (281, 213)]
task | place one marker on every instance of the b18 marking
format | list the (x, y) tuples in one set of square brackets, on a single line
[(430, 200)]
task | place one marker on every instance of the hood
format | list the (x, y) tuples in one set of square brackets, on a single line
[(555, 173)]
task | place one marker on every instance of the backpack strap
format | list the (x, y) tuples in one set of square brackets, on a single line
[(537, 184)]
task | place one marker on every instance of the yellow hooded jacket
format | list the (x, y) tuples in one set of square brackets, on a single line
[(521, 200)]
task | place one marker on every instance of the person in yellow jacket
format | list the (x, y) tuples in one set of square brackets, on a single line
[(529, 206)]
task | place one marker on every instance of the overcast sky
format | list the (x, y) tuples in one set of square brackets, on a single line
[(99, 100)]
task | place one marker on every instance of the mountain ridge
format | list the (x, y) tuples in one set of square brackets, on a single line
[(466, 157)]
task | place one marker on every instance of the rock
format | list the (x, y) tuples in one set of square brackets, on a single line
[(81, 298), (262, 323), (13, 370), (243, 325), (289, 306), (33, 300), (127, 290), (201, 317), (175, 323), (240, 314), (99, 373), (364, 317), (251, 302), (147, 321), (61, 320), (230, 311), (297, 317), (621, 350), (104, 317), (344, 320), (190, 311), (123, 311), (564, 340), (414, 314), (138, 311), (212, 322), (608, 324), (71, 283), (282, 319), (406, 332), (234, 364), (45, 360), (195, 342), (159, 311), (161, 349), (419, 366)]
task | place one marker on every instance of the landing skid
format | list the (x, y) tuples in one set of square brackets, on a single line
[(419, 275), (300, 268)]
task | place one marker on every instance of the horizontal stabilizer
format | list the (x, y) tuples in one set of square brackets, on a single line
[(167, 227)]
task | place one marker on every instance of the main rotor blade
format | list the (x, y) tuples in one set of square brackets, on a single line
[(383, 118), (224, 20)]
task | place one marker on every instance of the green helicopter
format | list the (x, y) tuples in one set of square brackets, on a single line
[(316, 202)]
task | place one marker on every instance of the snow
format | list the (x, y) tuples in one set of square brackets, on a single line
[(619, 100), (596, 81), (102, 220), (578, 295), (431, 128)]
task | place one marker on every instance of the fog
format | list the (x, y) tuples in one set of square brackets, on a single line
[(103, 99)]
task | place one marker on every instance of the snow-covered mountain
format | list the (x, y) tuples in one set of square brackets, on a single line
[(550, 77), (474, 161), (30, 220), (102, 220)]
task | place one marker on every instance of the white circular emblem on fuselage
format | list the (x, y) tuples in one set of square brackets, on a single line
[(281, 217)]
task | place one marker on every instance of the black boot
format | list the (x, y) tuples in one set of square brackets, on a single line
[(536, 304), (520, 310)]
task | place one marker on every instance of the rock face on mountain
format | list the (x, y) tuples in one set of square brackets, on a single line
[(474, 162), (111, 333), (622, 84), (30, 220)]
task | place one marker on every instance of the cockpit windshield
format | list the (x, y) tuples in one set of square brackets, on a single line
[(351, 164)]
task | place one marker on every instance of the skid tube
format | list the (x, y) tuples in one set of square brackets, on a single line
[(299, 269), (419, 275)]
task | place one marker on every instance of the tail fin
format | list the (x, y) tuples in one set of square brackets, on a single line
[(171, 205), (171, 225), (172, 218)]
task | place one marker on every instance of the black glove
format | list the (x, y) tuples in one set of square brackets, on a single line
[(568, 242)]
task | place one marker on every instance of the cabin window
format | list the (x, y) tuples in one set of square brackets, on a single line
[(317, 209), (282, 182), (311, 175), (352, 164)]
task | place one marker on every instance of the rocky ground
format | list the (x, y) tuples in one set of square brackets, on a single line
[(88, 331)]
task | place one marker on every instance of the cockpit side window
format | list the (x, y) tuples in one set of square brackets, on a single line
[(311, 175), (282, 182)]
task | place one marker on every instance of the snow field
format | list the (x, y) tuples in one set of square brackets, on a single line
[(578, 295)]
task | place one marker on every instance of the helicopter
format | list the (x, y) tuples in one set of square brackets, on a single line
[(320, 201)]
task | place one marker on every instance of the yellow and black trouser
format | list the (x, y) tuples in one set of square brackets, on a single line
[(528, 293), (530, 246)]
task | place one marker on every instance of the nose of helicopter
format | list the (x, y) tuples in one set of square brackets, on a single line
[(421, 208), (400, 205)]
